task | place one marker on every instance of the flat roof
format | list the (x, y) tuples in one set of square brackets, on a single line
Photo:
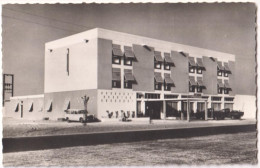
[(129, 39)]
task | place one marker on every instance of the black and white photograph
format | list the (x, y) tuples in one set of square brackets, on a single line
[(129, 84)]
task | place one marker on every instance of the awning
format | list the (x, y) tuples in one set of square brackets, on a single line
[(226, 67), (116, 74), (168, 79), (158, 77), (129, 52), (66, 105), (31, 107), (129, 75), (116, 50), (226, 84), (16, 108), (220, 84), (49, 106), (200, 63), (168, 59), (200, 82), (157, 56), (220, 66), (192, 61), (192, 81)]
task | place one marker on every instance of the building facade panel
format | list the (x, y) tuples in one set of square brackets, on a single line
[(179, 73), (104, 64), (115, 103), (72, 67), (25, 107), (58, 100), (143, 68), (210, 76)]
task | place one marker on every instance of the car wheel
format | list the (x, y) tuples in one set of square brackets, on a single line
[(81, 120)]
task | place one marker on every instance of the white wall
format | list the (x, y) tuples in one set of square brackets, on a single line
[(115, 100), (246, 103), (82, 67)]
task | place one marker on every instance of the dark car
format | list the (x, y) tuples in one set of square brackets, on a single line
[(233, 114), (216, 115)]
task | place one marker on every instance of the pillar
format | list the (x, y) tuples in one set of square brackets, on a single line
[(164, 109), (206, 110), (188, 110), (182, 116)]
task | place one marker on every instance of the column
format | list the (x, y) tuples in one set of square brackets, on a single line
[(164, 109), (182, 116), (206, 110), (188, 110)]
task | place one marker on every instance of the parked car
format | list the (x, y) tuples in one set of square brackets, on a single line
[(78, 115), (233, 114), (216, 115)]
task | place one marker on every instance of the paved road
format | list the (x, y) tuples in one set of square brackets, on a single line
[(26, 128)]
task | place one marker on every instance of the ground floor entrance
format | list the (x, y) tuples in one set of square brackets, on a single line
[(153, 109)]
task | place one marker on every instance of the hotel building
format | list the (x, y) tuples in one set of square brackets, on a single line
[(141, 76)]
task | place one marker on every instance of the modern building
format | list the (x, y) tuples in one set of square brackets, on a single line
[(141, 76)]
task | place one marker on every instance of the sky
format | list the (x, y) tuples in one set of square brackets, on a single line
[(224, 27)]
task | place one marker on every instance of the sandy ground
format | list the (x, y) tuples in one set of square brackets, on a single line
[(236, 149), (24, 128)]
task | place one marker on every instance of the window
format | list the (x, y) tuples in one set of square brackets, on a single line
[(192, 65), (167, 66), (157, 86), (219, 72), (158, 81), (216, 98), (127, 84), (220, 90), (152, 96), (116, 84), (116, 78), (116, 54), (170, 96), (157, 65), (167, 87), (226, 91), (225, 74), (191, 69), (229, 99), (116, 60), (157, 60), (127, 61), (128, 79), (168, 62), (191, 88), (199, 70), (199, 89), (220, 68)]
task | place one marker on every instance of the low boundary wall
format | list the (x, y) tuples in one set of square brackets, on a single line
[(59, 141)]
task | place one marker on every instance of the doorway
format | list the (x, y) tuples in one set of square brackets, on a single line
[(153, 109)]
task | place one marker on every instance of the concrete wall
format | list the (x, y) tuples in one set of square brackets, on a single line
[(82, 67), (232, 81), (59, 98), (210, 76), (35, 114), (247, 104), (104, 64), (115, 100), (180, 73), (143, 68)]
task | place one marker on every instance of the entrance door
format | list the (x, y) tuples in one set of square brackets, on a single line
[(153, 109)]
